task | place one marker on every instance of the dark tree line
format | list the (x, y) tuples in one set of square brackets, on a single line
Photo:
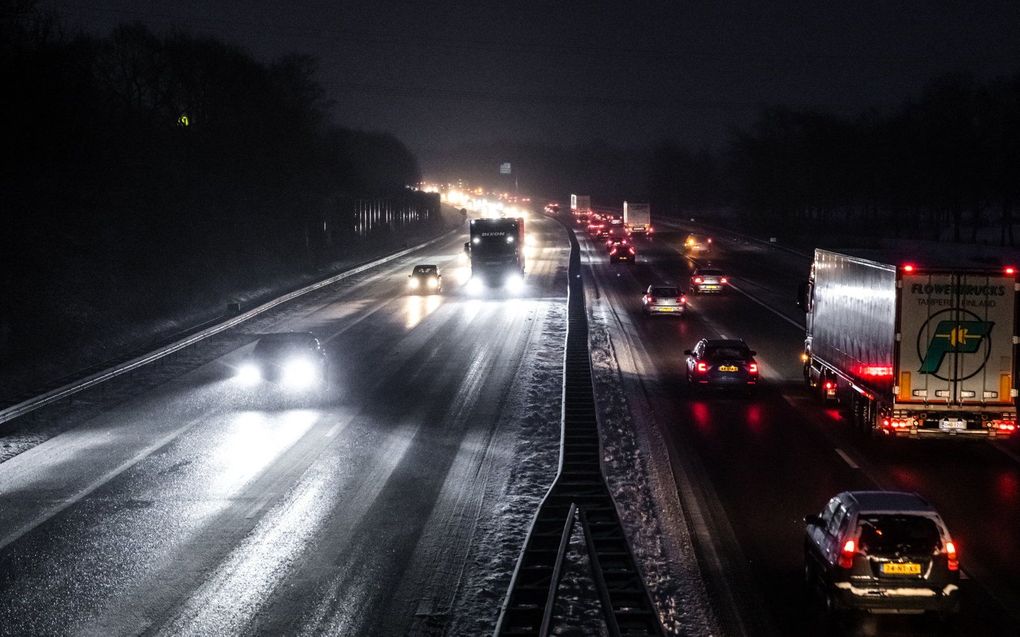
[(161, 160), (943, 166)]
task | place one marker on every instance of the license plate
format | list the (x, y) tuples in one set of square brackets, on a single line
[(666, 308), (906, 568), (727, 368), (952, 424)]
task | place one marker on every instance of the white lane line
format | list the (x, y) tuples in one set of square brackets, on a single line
[(258, 506), (799, 326), (14, 536), (846, 459), (332, 431)]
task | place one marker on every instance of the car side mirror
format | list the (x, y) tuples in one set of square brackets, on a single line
[(813, 520), (688, 352)]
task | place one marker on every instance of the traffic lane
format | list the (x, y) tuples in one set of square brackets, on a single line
[(88, 556), (762, 437)]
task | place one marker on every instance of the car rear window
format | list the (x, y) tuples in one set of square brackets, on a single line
[(889, 533), (727, 352), (710, 272), (665, 292)]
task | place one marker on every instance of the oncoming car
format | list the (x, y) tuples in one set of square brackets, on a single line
[(294, 360), (881, 551), (722, 363), (705, 280), (425, 278), (664, 299)]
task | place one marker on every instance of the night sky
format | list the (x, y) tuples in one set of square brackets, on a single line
[(439, 74)]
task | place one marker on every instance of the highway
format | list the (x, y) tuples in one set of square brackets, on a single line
[(394, 503), (751, 468)]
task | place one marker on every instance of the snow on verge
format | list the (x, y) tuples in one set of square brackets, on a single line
[(532, 420), (636, 467)]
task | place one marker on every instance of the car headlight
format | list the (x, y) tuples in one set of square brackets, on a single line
[(433, 283), (248, 374), (413, 283), (514, 283), (299, 373)]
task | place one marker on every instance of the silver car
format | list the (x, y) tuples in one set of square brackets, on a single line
[(664, 299), (708, 280)]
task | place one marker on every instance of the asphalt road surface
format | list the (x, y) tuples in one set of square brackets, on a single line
[(201, 507), (753, 467)]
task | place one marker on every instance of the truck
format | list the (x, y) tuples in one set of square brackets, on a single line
[(496, 250), (580, 205), (910, 350), (638, 218)]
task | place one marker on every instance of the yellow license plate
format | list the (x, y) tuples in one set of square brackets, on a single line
[(907, 568), (727, 368)]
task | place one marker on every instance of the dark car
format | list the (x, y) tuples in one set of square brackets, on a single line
[(295, 360), (708, 280), (722, 363), (621, 251), (664, 299), (881, 551), (425, 278)]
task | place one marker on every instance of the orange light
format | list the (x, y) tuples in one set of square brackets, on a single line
[(908, 268), (954, 561)]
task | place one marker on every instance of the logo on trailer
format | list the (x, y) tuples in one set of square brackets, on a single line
[(954, 337)]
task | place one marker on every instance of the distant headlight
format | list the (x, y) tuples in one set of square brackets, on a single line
[(514, 283), (433, 282), (248, 374), (299, 373), (413, 283)]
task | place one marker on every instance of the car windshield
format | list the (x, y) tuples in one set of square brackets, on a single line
[(665, 292), (273, 346), (728, 351), (425, 270), (889, 533)]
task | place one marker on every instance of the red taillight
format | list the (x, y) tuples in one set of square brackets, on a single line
[(702, 367), (828, 385), (846, 556), (631, 250), (681, 299), (698, 279), (1004, 426), (723, 280), (1010, 270), (710, 239), (908, 267), (651, 230), (953, 560), (651, 299), (753, 368)]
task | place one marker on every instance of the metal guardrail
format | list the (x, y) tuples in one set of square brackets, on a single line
[(578, 495), (27, 406)]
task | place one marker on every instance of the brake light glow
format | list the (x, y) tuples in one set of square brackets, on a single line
[(908, 267), (846, 556), (698, 279), (723, 280), (1004, 426), (682, 299), (753, 368), (702, 367), (828, 385), (651, 299), (1010, 270), (954, 561), (876, 370)]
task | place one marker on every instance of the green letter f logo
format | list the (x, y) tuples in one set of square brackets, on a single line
[(962, 337)]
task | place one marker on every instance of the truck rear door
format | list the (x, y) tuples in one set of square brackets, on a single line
[(956, 338)]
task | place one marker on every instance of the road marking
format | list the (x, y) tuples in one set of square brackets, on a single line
[(138, 457), (332, 432), (846, 459), (258, 506)]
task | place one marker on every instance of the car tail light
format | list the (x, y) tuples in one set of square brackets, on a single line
[(698, 279), (953, 560), (702, 367), (651, 299), (681, 299), (846, 556), (753, 368), (631, 250), (723, 280), (1004, 426), (651, 230), (710, 239), (829, 386)]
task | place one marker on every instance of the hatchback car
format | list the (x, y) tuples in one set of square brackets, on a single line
[(708, 280), (425, 278), (722, 363), (664, 299), (294, 360), (881, 551), (621, 251)]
